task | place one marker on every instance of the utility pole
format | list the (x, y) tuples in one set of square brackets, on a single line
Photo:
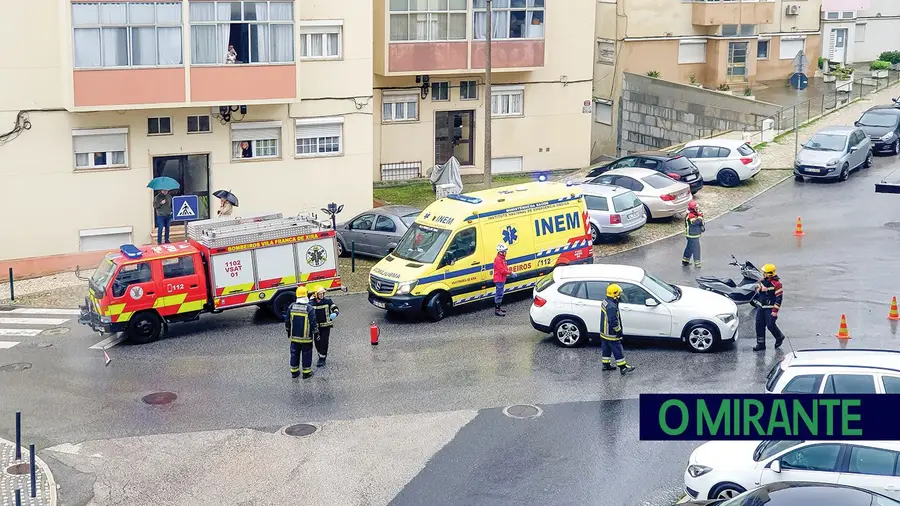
[(488, 177)]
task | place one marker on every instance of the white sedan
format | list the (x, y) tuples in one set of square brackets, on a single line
[(726, 161), (567, 305), (724, 469)]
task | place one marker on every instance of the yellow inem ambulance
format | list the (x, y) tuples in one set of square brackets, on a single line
[(446, 258)]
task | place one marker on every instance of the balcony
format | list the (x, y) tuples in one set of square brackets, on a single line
[(732, 12)]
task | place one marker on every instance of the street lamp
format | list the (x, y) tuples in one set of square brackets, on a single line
[(333, 210)]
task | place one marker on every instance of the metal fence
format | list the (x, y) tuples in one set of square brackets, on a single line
[(401, 171)]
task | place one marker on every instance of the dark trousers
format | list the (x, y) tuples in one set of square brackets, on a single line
[(498, 294), (304, 351), (609, 349), (322, 341), (692, 249), (765, 320), (162, 222)]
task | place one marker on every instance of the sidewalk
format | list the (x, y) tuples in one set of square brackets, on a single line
[(10, 479)]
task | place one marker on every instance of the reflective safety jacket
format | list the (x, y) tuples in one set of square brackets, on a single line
[(770, 294), (301, 322), (324, 307), (693, 225), (610, 320)]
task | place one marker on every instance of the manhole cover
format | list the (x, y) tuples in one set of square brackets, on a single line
[(741, 208), (759, 234), (17, 469), (159, 398), (18, 366), (55, 331), (733, 227), (300, 430), (893, 224), (523, 411)]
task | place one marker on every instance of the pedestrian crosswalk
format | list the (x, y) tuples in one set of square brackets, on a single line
[(30, 322)]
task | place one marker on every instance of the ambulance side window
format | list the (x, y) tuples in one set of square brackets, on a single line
[(463, 245), (178, 267), (131, 275)]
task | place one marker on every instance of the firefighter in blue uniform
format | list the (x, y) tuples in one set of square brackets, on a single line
[(326, 312), (693, 229), (611, 331), (301, 329)]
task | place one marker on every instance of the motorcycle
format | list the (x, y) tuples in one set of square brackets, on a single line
[(742, 292)]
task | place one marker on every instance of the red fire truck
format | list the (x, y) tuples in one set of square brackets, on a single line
[(225, 263)]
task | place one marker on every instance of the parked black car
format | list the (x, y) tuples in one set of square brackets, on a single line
[(797, 493), (676, 167), (882, 124)]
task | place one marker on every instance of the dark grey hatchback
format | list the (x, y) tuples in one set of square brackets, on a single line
[(676, 167), (882, 124), (799, 493)]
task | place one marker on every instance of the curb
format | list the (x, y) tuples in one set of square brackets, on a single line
[(45, 470)]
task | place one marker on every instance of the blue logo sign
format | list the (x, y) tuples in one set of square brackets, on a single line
[(510, 235), (185, 208), (558, 223)]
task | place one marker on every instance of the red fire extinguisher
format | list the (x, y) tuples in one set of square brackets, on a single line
[(374, 333)]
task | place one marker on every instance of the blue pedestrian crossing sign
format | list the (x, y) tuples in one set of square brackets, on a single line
[(185, 208)]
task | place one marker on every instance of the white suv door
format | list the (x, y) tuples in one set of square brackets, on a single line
[(872, 469), (640, 319), (817, 462)]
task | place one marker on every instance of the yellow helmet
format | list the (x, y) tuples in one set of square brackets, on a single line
[(613, 290), (301, 292), (768, 269)]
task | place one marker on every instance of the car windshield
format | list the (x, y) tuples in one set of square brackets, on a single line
[(679, 163), (878, 119), (102, 275), (658, 181), (409, 219), (827, 142), (772, 447), (421, 243), (625, 201), (745, 150), (660, 289)]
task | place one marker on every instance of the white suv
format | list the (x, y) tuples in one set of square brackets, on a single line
[(832, 371), (567, 305)]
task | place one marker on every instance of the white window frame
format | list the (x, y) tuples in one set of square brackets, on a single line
[(320, 142), (791, 38), (129, 27), (400, 98), (108, 154), (471, 85), (603, 112), (158, 126), (187, 124), (308, 30), (832, 15), (500, 9), (844, 14), (768, 48), (692, 43), (860, 28), (500, 94), (441, 86), (455, 9), (254, 143), (263, 25)]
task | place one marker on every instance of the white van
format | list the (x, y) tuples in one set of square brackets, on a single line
[(834, 371)]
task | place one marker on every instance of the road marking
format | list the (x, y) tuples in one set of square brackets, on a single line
[(33, 321), (7, 344), (109, 342), (38, 310), (19, 332)]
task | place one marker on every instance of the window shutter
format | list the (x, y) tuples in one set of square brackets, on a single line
[(790, 47), (255, 131), (692, 52), (315, 131), (99, 143)]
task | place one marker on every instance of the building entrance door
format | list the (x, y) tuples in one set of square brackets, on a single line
[(737, 61), (839, 45), (191, 172), (454, 135)]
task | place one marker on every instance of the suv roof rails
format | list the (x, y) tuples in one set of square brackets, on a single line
[(855, 349)]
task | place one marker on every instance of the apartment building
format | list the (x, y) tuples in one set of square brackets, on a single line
[(860, 30), (429, 66), (269, 99), (709, 42)]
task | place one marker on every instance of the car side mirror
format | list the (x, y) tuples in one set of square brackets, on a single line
[(854, 149), (856, 123), (651, 303), (447, 260), (775, 466)]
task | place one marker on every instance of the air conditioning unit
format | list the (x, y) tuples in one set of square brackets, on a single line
[(792, 10)]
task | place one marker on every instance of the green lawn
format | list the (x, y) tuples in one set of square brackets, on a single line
[(420, 194)]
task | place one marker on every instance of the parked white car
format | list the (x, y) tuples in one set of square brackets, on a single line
[(834, 371), (663, 197), (723, 469), (726, 161), (613, 211), (567, 305)]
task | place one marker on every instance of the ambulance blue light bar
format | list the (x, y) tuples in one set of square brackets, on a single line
[(131, 251), (465, 198)]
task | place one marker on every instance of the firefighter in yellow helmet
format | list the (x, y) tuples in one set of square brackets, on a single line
[(301, 329), (769, 296), (326, 312), (611, 331)]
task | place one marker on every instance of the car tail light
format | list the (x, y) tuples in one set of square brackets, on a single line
[(746, 160), (673, 175), (615, 219), (539, 301), (668, 197)]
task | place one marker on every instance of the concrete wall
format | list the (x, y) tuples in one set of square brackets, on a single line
[(656, 114)]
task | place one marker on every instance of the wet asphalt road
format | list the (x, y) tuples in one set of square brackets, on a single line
[(230, 370)]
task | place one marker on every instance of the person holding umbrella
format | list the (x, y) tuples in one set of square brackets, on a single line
[(228, 201), (162, 206)]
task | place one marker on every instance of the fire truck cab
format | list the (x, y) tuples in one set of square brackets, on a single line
[(225, 263)]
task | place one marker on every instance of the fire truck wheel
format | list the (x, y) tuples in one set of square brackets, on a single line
[(145, 327), (281, 304)]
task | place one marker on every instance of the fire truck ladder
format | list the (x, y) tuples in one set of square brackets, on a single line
[(196, 229), (249, 232)]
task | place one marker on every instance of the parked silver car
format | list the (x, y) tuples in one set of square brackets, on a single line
[(375, 232), (832, 153), (613, 210)]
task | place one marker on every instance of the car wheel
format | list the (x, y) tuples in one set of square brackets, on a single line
[(569, 333), (647, 212), (895, 149), (726, 491), (869, 158), (798, 178), (728, 178), (437, 306), (341, 251), (145, 327), (281, 304), (845, 173), (701, 337), (595, 234)]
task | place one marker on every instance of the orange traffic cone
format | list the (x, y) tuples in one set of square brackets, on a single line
[(798, 231), (843, 331), (894, 314)]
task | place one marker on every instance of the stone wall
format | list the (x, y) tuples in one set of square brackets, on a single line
[(656, 114)]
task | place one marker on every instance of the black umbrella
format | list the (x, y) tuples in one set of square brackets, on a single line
[(227, 196)]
